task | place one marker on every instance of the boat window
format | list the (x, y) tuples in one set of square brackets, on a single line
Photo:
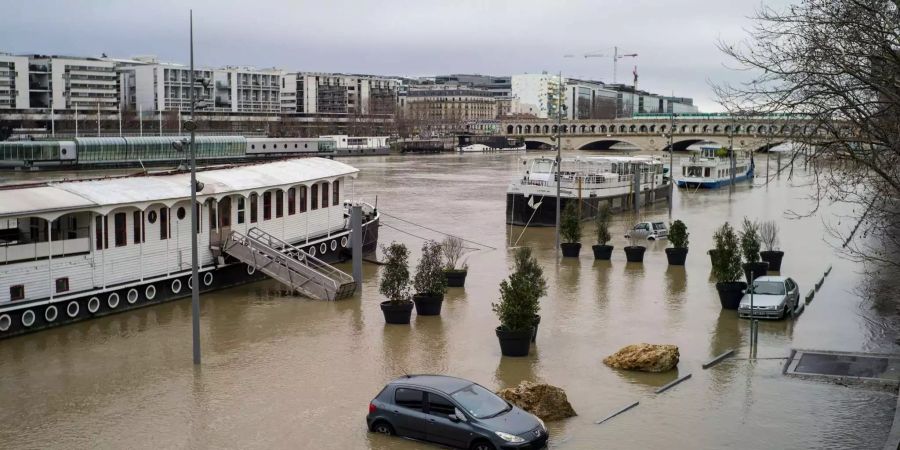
[(279, 203), (137, 223), (180, 213), (99, 224), (542, 166), (253, 200), (706, 172), (292, 201), (62, 284), (17, 292), (151, 217), (694, 171), (163, 223), (267, 205), (336, 194), (240, 210), (211, 205), (314, 194), (303, 199), (120, 233), (325, 194)]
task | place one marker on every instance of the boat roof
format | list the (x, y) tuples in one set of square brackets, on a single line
[(44, 198)]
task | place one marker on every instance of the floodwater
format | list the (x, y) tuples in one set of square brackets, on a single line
[(281, 371)]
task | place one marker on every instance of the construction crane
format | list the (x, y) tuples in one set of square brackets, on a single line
[(615, 57)]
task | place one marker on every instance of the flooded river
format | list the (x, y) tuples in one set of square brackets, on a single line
[(281, 371)]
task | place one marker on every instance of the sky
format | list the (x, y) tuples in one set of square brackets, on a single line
[(675, 39)]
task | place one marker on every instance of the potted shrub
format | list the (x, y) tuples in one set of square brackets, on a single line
[(727, 267), (753, 267), (429, 282), (633, 252), (518, 307), (602, 250), (678, 237), (570, 231), (768, 234), (395, 284), (455, 271)]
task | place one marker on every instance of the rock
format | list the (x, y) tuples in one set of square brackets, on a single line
[(543, 400), (644, 357)]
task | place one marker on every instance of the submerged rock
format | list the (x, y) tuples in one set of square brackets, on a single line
[(543, 400), (644, 357)]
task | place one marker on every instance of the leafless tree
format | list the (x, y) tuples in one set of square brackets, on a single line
[(453, 250), (768, 234), (833, 65)]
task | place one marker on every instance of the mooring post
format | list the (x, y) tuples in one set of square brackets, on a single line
[(356, 238)]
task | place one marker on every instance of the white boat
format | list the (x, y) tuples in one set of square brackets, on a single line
[(73, 250), (472, 143), (711, 167), (589, 181)]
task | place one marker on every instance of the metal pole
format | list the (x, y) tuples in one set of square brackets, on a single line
[(671, 165), (615, 62), (52, 120), (160, 122), (195, 291), (141, 118), (98, 119), (120, 123), (558, 157), (356, 241), (76, 120)]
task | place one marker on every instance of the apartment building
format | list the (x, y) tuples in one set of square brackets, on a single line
[(447, 106), (538, 95), (329, 94), (499, 86), (13, 82), (29, 82)]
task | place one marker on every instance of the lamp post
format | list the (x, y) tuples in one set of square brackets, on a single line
[(559, 93), (671, 164)]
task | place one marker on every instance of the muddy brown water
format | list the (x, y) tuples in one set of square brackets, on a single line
[(281, 371)]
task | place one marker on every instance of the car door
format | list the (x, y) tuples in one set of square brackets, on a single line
[(640, 231), (443, 430), (793, 293), (409, 412)]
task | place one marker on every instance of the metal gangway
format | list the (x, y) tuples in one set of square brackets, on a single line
[(290, 265)]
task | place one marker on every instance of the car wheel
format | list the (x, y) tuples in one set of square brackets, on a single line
[(383, 428), (786, 312), (482, 445)]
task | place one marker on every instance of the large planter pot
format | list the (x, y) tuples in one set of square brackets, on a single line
[(428, 304), (676, 256), (755, 270), (456, 278), (602, 252), (773, 258), (570, 249), (397, 314), (515, 343), (537, 321), (635, 253), (730, 294)]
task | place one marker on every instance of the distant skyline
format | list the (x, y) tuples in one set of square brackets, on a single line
[(675, 40)]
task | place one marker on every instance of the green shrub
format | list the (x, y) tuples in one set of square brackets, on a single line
[(429, 278), (678, 234), (520, 293), (726, 259), (750, 241), (602, 221), (570, 224), (395, 276)]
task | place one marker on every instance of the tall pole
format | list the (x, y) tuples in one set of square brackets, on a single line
[(615, 62), (558, 156), (160, 122), (195, 277), (52, 120), (120, 122), (671, 164), (98, 119), (141, 118), (76, 120)]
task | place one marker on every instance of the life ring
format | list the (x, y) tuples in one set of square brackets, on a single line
[(72, 308), (28, 318), (113, 300), (132, 296), (176, 286), (323, 248), (333, 244), (50, 313), (150, 292), (251, 269), (190, 282), (207, 278), (5, 322), (93, 306), (312, 251), (344, 241)]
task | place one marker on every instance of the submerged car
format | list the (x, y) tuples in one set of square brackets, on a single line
[(453, 412), (648, 230), (774, 297)]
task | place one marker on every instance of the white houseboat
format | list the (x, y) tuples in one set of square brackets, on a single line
[(591, 181), (710, 167), (73, 250), (357, 146)]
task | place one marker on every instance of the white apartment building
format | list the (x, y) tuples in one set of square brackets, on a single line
[(537, 94), (329, 94), (13, 82)]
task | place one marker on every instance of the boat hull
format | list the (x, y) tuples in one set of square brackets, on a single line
[(711, 184), (116, 299), (520, 213)]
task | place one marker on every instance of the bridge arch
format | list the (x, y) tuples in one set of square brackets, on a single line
[(605, 144), (538, 144)]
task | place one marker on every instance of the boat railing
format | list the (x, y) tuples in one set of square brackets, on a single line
[(335, 275)]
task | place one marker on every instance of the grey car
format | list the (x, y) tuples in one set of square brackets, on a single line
[(774, 297), (453, 412)]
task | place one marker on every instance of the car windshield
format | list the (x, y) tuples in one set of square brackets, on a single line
[(659, 226), (768, 288), (479, 402)]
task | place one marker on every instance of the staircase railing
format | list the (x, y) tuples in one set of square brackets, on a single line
[(334, 274)]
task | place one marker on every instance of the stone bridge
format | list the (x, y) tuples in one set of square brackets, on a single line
[(651, 134)]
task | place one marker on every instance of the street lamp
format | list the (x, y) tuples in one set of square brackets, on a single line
[(671, 164)]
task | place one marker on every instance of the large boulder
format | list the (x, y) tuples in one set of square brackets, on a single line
[(543, 400), (644, 357)]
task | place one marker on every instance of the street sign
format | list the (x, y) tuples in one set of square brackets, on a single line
[(190, 125)]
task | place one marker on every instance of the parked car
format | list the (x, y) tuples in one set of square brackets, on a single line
[(774, 297), (648, 230), (453, 412)]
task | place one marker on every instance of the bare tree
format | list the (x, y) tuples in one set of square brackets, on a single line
[(833, 65)]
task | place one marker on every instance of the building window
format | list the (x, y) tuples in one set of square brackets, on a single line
[(292, 201), (253, 208), (302, 199), (17, 292), (336, 192), (325, 194), (240, 210), (137, 219), (101, 234), (279, 204), (314, 193), (267, 205), (62, 284), (120, 233), (163, 223)]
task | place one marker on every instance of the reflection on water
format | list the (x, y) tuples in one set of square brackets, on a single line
[(283, 371)]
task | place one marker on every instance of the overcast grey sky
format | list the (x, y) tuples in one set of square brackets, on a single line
[(675, 39)]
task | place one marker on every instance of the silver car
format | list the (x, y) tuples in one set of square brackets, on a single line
[(774, 297), (648, 230)]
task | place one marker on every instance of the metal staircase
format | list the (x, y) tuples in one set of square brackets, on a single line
[(289, 265)]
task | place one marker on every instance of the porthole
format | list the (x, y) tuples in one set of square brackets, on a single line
[(132, 296), (50, 313), (305, 145), (93, 305), (176, 286), (253, 147), (295, 145), (64, 151), (344, 241), (264, 146), (151, 217), (285, 145), (113, 300), (190, 282), (150, 292), (323, 248), (72, 308), (312, 251), (207, 278), (334, 244), (28, 318), (5, 322), (180, 213)]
